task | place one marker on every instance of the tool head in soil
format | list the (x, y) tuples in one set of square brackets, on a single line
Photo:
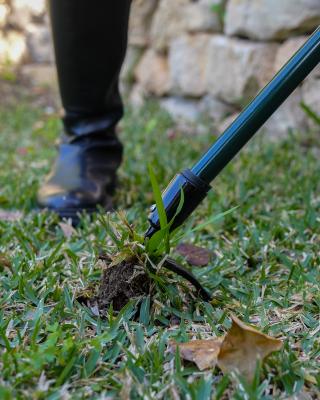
[(195, 183)]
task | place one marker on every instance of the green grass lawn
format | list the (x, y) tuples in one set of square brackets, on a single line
[(265, 270)]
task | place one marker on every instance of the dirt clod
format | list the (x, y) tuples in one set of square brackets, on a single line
[(121, 283)]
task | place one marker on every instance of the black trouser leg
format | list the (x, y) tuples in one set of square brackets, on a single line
[(90, 40)]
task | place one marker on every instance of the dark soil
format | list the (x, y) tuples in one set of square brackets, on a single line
[(121, 283)]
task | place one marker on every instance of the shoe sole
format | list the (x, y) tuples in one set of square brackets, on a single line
[(74, 214)]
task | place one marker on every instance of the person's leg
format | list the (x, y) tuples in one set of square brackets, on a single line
[(90, 39)]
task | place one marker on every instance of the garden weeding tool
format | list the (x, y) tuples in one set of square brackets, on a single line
[(195, 182)]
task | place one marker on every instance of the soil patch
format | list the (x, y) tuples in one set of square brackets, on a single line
[(121, 283)]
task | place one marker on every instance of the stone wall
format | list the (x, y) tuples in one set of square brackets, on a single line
[(25, 41), (199, 57)]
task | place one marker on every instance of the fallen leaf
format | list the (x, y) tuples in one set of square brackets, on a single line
[(243, 346), (204, 353), (4, 261), (172, 134), (194, 255), (22, 151), (238, 351), (8, 215), (67, 229)]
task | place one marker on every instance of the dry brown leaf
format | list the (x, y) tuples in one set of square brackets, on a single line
[(67, 229), (4, 261), (238, 351), (243, 346), (204, 353), (194, 255)]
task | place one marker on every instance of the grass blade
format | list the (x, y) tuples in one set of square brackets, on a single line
[(310, 113), (158, 198)]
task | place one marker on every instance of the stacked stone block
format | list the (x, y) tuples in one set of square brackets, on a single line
[(25, 40), (215, 55)]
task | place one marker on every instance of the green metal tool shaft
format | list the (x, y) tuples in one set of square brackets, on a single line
[(259, 110), (195, 182)]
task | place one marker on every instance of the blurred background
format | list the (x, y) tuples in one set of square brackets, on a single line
[(199, 58)]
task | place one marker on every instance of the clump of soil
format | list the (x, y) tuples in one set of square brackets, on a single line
[(121, 283)]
